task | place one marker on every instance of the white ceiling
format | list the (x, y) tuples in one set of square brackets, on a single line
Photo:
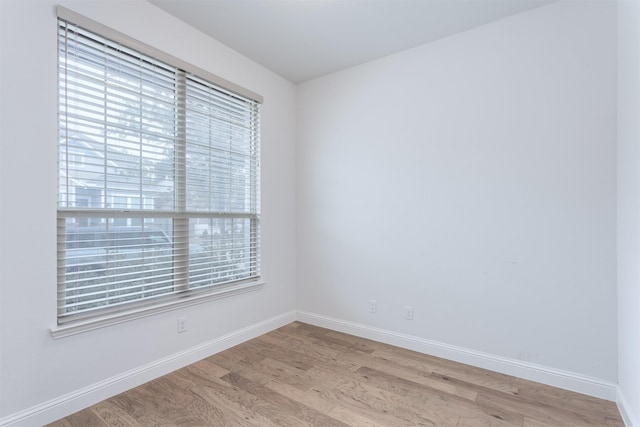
[(304, 39)]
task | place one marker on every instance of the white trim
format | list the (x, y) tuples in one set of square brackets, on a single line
[(630, 420), (140, 312), (72, 402), (554, 377)]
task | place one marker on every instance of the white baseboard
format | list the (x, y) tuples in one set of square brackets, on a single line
[(529, 371), (630, 419), (65, 405)]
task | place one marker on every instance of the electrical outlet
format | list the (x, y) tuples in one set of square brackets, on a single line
[(182, 324), (408, 312), (373, 306)]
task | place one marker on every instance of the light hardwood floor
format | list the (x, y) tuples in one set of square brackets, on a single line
[(302, 375)]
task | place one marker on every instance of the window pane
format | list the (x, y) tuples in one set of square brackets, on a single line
[(109, 264), (222, 250), (220, 153), (117, 123)]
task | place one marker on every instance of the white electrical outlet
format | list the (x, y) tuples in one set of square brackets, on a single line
[(373, 306), (408, 312), (182, 324)]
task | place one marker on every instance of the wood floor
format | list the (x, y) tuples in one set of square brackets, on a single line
[(302, 375)]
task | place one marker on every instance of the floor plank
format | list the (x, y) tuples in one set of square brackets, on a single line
[(302, 375)]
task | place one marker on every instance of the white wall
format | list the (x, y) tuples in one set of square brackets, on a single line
[(629, 210), (474, 179), (36, 370)]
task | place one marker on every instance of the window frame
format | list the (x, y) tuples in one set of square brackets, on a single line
[(180, 216)]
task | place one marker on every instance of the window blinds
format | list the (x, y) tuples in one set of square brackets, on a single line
[(158, 179)]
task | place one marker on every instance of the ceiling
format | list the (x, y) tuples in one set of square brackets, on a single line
[(304, 39)]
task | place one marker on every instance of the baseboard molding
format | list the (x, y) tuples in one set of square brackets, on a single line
[(529, 371), (65, 405), (630, 419)]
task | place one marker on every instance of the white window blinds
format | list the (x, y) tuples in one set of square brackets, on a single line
[(158, 180)]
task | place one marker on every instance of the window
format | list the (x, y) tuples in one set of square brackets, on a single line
[(158, 195)]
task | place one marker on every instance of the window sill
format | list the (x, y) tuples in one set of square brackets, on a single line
[(114, 319)]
